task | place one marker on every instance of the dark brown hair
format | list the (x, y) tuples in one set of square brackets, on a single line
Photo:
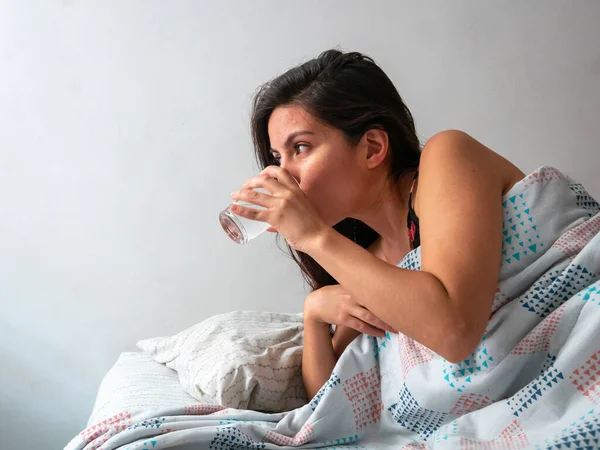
[(347, 91)]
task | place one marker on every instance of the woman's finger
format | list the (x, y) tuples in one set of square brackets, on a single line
[(282, 175), (262, 181), (254, 197), (260, 215), (391, 329), (364, 327), (370, 318)]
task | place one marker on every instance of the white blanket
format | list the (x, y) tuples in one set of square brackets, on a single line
[(532, 382)]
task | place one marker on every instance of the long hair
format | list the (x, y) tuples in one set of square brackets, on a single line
[(347, 91)]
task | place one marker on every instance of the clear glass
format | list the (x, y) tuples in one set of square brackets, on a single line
[(240, 229)]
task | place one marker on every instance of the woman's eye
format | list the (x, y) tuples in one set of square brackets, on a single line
[(297, 146)]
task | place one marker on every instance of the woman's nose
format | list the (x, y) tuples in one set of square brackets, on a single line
[(291, 170)]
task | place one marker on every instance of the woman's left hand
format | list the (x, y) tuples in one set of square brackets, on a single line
[(288, 209)]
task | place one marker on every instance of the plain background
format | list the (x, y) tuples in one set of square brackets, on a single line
[(124, 126)]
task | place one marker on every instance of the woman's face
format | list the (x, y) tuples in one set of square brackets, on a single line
[(331, 172)]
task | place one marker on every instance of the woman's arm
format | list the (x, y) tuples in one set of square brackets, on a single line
[(446, 305), (318, 357), (342, 337), (332, 305), (321, 353)]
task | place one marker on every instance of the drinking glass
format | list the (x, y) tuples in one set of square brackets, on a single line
[(240, 229)]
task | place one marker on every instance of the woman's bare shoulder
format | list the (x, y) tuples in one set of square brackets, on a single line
[(462, 145)]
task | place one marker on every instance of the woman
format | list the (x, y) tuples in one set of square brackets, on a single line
[(353, 192)]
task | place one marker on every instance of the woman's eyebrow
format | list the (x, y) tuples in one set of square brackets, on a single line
[(291, 137)]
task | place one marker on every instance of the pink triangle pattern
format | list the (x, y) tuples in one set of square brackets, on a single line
[(543, 175), (538, 339), (468, 403), (201, 409), (363, 391), (303, 436), (222, 412), (412, 353), (586, 378), (99, 433), (500, 299), (572, 242), (511, 438)]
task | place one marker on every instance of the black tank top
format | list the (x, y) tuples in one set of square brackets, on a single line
[(412, 221)]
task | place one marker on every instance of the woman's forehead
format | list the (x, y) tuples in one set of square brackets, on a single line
[(287, 120), (292, 115)]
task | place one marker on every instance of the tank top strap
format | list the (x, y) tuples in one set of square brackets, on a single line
[(414, 237)]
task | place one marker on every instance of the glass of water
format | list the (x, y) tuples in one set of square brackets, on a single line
[(240, 229)]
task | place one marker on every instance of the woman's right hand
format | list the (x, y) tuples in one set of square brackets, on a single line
[(334, 305)]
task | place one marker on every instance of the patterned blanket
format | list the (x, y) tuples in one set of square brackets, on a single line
[(533, 381)]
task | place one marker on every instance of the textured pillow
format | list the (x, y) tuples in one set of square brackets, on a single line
[(242, 359)]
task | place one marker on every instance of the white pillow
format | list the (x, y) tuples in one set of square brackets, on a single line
[(242, 359)]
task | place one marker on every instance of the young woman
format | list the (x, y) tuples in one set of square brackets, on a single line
[(352, 192)]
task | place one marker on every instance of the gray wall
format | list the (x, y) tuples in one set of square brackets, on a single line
[(124, 127)]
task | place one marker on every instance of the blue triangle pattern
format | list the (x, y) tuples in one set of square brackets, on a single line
[(584, 200), (582, 434), (409, 414), (554, 288), (459, 375), (534, 390), (513, 226), (233, 438), (332, 383)]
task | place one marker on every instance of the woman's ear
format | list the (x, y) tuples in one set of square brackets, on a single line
[(376, 146)]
